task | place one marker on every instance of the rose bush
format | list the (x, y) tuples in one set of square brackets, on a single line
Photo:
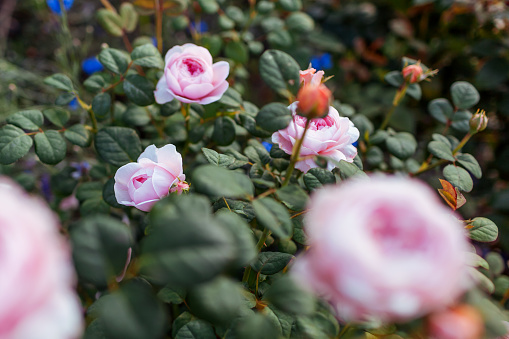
[(190, 76), (141, 184), (37, 284), (331, 137), (384, 248)]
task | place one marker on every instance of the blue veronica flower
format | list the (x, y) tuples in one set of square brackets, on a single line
[(91, 65), (73, 105), (267, 145), (54, 5), (356, 143), (202, 26), (323, 61)]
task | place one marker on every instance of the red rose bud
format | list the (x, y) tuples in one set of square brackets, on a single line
[(478, 122), (314, 101), (460, 322), (413, 73)]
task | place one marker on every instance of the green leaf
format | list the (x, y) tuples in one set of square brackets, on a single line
[(442, 139), (147, 56), (78, 135), (477, 261), (129, 17), (222, 160), (209, 6), (139, 90), (273, 216), (57, 116), (347, 170), (461, 120), (374, 156), (89, 190), (231, 98), (280, 39), (282, 320), (470, 163), (100, 247), (29, 120), (288, 296), (50, 147), (170, 108), (110, 21), (317, 177), (483, 230), (496, 263), (401, 145), (458, 177), (257, 152), (394, 78), (271, 262), (196, 329), (225, 23), (300, 22), (108, 194), (65, 99), (255, 326), (185, 246), (274, 117), (95, 83), (114, 60), (94, 206), (237, 51), (101, 104), (464, 95), (280, 71), (224, 131), (14, 144), (294, 197), (118, 145), (441, 109), (290, 5), (242, 233), (441, 150), (60, 81), (132, 312), (172, 295), (219, 182), (414, 90), (482, 281), (218, 301)]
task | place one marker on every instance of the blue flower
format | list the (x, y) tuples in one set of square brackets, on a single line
[(202, 26), (267, 145), (356, 143), (54, 5), (91, 65), (323, 61), (73, 105), (154, 41)]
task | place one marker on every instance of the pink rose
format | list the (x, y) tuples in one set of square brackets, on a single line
[(331, 137), (384, 249), (413, 73), (37, 277), (311, 77), (141, 184), (189, 76)]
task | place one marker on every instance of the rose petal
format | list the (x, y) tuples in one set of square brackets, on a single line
[(221, 70), (146, 206), (197, 91), (170, 159), (162, 181), (149, 153), (215, 94), (122, 194), (175, 50), (162, 94), (124, 173)]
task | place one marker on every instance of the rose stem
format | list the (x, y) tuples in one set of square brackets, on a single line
[(400, 94), (295, 154), (159, 24), (259, 247)]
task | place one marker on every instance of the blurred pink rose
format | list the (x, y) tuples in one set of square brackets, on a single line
[(331, 137), (384, 249), (189, 76), (37, 277), (413, 73), (311, 77), (141, 184), (460, 322)]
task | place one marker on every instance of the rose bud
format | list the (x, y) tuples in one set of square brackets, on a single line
[(384, 249), (478, 122), (180, 187), (311, 76), (413, 73), (459, 322), (141, 184), (314, 101)]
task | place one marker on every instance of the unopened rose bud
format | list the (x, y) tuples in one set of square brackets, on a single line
[(314, 101), (478, 122), (311, 76), (459, 322), (413, 73), (180, 187)]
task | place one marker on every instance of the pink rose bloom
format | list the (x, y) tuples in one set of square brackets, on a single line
[(190, 76), (384, 249), (330, 137), (311, 77), (37, 276), (141, 184)]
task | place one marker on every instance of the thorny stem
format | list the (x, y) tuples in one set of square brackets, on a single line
[(295, 154), (400, 94)]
